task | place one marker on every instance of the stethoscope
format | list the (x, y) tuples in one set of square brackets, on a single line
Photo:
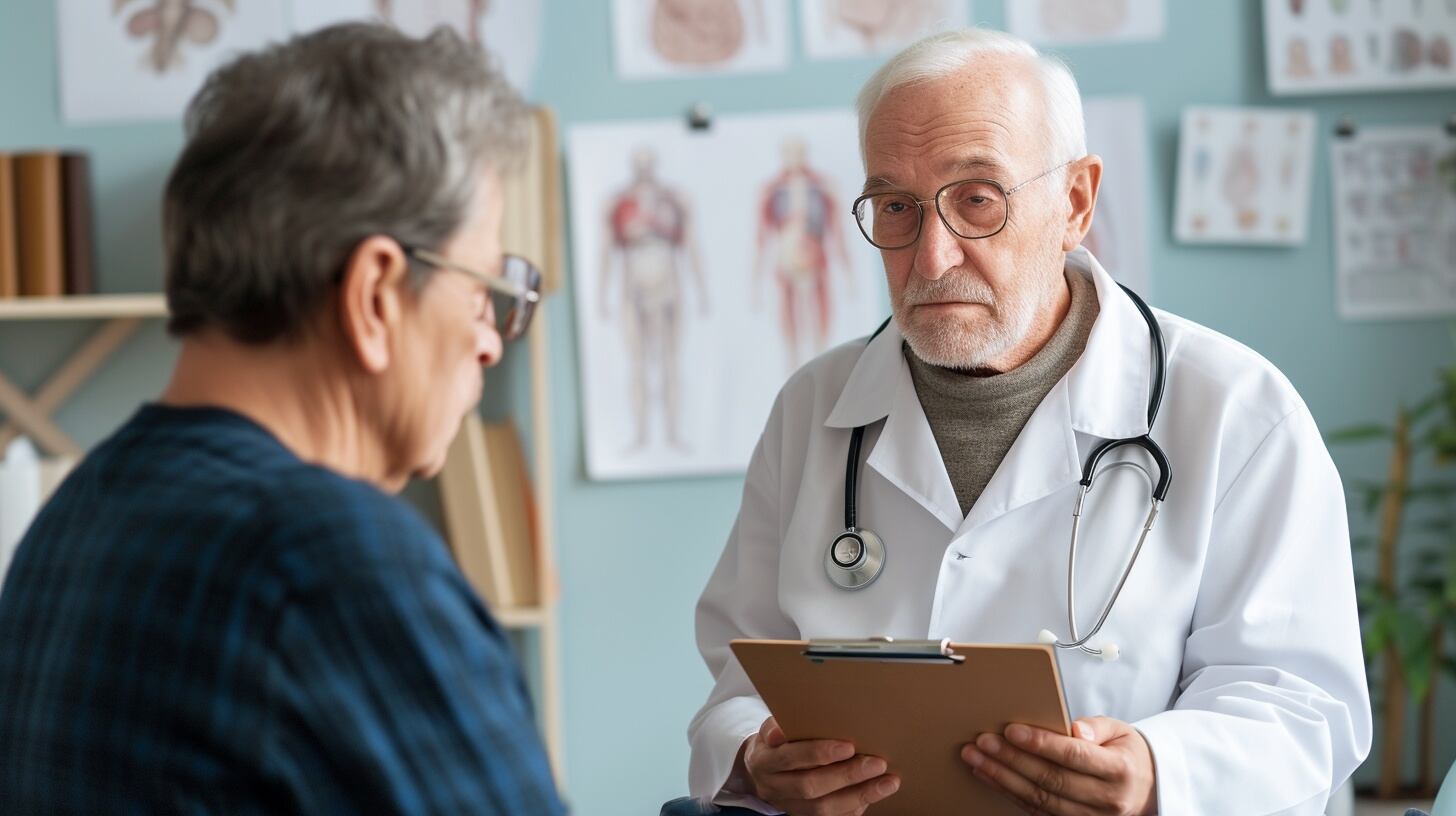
[(857, 556)]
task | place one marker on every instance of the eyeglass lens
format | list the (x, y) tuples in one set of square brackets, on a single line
[(972, 209)]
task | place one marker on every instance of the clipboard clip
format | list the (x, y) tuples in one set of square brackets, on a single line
[(883, 650)]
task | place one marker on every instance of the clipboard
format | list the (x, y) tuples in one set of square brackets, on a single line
[(912, 702)]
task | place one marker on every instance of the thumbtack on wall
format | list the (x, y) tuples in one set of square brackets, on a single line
[(700, 116)]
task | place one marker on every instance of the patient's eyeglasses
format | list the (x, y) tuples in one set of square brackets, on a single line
[(514, 293)]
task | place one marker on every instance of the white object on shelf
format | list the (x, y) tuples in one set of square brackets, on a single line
[(19, 497)]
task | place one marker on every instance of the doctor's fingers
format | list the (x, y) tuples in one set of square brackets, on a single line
[(796, 756), (1029, 795), (1091, 756), (847, 801), (1042, 786)]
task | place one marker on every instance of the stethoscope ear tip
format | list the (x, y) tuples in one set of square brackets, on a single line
[(1046, 636), (1109, 652)]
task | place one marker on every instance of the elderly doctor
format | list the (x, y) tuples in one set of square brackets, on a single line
[(1227, 677)]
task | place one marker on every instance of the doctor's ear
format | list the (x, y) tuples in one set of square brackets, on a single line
[(1084, 179)]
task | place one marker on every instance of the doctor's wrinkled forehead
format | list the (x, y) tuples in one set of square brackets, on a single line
[(941, 55)]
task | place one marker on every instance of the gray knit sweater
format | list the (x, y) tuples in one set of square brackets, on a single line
[(976, 418)]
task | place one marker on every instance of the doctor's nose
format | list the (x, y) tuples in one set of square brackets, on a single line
[(938, 250)]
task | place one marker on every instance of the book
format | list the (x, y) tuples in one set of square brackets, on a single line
[(80, 237), (40, 231), (472, 521), (516, 507), (9, 251)]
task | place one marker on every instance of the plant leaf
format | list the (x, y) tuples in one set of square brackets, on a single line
[(1359, 433)]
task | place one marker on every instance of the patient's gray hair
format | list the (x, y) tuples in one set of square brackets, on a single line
[(297, 153), (940, 55)]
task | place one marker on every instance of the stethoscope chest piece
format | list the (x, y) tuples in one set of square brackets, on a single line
[(855, 559)]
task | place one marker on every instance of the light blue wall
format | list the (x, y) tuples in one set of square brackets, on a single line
[(635, 555)]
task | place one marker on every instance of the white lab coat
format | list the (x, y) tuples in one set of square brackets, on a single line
[(1240, 645)]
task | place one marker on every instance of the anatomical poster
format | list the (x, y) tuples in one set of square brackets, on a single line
[(1117, 131), (1394, 200), (710, 265), (1344, 46), (664, 38), (1244, 175), (144, 59), (509, 29), (1085, 22), (835, 29)]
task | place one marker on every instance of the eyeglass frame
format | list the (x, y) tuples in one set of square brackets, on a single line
[(935, 199), (494, 283)]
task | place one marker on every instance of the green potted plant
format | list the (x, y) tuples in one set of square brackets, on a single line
[(1408, 602)]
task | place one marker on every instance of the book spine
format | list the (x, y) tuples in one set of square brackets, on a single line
[(80, 240), (39, 227), (9, 250)]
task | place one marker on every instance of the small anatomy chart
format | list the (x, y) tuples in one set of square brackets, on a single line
[(1395, 222), (1244, 175), (1340, 46)]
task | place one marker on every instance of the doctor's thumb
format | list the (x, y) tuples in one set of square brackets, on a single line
[(771, 735)]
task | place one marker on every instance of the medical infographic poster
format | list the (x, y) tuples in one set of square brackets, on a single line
[(130, 60), (1343, 46), (1117, 131), (709, 265), (834, 29), (665, 38), (1085, 22), (1244, 176), (509, 29), (1394, 200)]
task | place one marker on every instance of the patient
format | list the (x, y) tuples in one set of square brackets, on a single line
[(222, 610)]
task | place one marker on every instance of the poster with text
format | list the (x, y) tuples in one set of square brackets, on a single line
[(1085, 22), (1117, 131), (1344, 46), (1395, 222), (709, 265), (665, 38), (509, 29), (1244, 175), (834, 29), (130, 60)]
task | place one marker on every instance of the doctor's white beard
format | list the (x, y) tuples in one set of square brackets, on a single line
[(962, 342)]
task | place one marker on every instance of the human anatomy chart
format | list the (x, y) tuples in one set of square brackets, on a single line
[(708, 267), (1340, 46), (510, 29), (1244, 175), (853, 28), (1395, 222), (1085, 22), (661, 38), (144, 59)]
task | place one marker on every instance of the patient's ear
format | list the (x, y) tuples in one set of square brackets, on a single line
[(370, 304)]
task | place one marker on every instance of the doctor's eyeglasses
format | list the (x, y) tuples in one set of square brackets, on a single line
[(971, 208), (513, 294)]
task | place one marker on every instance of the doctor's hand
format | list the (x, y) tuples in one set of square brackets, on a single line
[(813, 777), (1106, 769)]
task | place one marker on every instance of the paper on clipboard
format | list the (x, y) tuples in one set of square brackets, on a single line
[(912, 709)]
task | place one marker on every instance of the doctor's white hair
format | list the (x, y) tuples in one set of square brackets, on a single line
[(941, 55)]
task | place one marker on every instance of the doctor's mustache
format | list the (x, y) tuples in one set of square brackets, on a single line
[(949, 288)]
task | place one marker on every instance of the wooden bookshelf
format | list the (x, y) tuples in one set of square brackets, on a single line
[(33, 414), (83, 307)]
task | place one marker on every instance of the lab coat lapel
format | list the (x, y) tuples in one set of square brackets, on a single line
[(1104, 395), (905, 453)]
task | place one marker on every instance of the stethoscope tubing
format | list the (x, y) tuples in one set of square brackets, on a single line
[(1090, 471)]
